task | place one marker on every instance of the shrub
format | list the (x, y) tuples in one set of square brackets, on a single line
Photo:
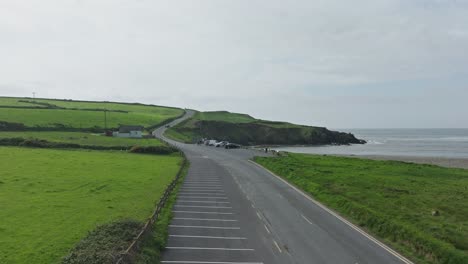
[(104, 244), (161, 150)]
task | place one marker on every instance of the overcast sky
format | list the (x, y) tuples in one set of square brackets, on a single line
[(340, 64)]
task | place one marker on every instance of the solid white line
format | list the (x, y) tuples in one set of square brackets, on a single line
[(388, 249), (206, 262), (203, 219), (210, 237), (307, 219), (196, 212), (207, 197), (200, 248), (184, 201), (202, 206), (207, 227), (278, 247)]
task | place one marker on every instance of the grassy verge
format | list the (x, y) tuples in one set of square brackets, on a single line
[(50, 199), (419, 209), (154, 244)]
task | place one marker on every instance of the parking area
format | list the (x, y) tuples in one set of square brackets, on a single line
[(205, 228)]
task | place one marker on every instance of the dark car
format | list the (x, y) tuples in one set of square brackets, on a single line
[(232, 146)]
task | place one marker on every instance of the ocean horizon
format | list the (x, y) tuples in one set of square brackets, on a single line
[(437, 142)]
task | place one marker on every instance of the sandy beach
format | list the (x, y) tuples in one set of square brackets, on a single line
[(444, 162)]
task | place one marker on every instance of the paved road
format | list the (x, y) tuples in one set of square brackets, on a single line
[(231, 210)]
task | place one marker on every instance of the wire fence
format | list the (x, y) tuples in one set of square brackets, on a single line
[(129, 255)]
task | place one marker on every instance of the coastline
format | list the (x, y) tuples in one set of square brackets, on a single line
[(461, 163)]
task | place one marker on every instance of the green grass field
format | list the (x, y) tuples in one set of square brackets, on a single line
[(224, 116), (81, 138), (50, 199), (138, 114), (394, 200)]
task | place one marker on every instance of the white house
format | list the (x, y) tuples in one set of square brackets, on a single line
[(129, 132)]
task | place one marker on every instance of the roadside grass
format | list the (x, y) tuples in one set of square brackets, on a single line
[(81, 138), (92, 115), (152, 246), (393, 200), (50, 199)]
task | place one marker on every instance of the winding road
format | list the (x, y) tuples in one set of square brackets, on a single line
[(232, 211)]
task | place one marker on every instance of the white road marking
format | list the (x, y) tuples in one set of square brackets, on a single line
[(200, 248), (202, 206), (202, 193), (268, 230), (203, 219), (388, 249), (196, 188), (278, 247), (197, 197), (210, 237), (184, 201), (202, 185), (206, 262), (259, 216), (207, 227), (307, 219), (197, 212)]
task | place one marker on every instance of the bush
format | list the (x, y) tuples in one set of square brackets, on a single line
[(6, 126), (104, 244), (161, 150)]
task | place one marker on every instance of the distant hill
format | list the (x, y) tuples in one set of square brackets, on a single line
[(246, 130)]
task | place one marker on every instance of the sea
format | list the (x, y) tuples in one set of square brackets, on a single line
[(445, 143)]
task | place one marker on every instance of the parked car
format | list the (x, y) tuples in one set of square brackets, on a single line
[(232, 146), (221, 144), (211, 142)]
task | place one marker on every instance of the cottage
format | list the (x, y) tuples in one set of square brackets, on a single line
[(129, 132)]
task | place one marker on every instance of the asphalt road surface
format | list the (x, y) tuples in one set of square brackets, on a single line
[(232, 211)]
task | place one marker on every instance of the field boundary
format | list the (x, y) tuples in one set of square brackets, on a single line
[(130, 254)]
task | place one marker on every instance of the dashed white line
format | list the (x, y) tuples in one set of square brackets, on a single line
[(210, 237), (202, 206), (259, 216), (206, 262), (277, 246), (198, 197), (197, 212), (200, 248), (183, 201), (204, 219), (198, 193), (307, 219), (206, 227), (268, 230)]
